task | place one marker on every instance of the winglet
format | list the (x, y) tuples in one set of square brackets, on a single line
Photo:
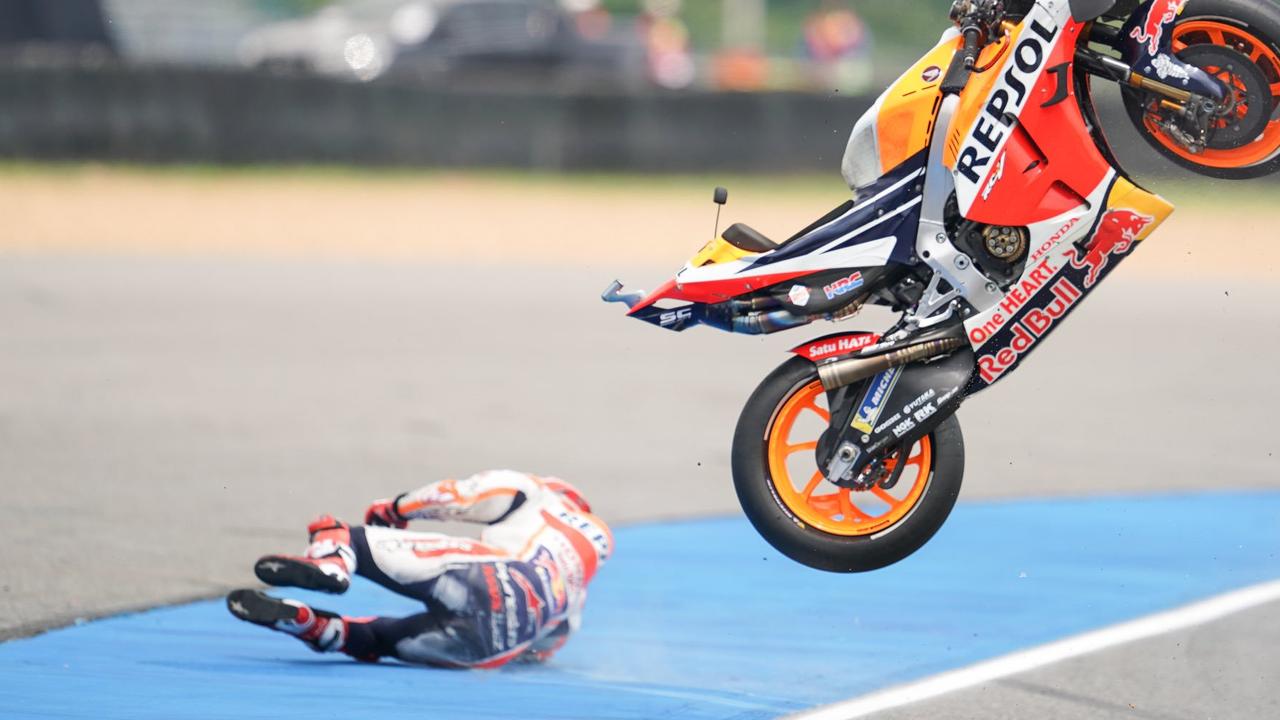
[(614, 294)]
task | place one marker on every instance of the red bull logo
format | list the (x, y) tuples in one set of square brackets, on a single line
[(1116, 233), (1151, 30), (1032, 325)]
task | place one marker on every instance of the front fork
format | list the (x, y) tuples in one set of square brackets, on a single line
[(1147, 64), (1145, 43)]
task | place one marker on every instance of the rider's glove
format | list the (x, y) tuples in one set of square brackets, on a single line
[(384, 514)]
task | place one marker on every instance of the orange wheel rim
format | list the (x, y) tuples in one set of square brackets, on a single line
[(1213, 32), (803, 490)]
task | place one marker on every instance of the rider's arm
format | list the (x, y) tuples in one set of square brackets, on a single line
[(486, 497)]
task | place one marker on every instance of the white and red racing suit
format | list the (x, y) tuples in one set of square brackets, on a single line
[(515, 593)]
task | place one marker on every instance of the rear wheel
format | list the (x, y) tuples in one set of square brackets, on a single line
[(808, 519), (1244, 143)]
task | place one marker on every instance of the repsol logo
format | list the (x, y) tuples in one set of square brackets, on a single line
[(1006, 101)]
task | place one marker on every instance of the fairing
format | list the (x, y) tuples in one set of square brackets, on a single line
[(900, 123), (870, 234), (1041, 170), (1013, 149), (1059, 275), (1008, 144)]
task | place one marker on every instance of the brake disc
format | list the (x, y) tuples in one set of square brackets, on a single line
[(1247, 88)]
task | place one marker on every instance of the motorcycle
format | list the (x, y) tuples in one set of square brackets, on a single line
[(987, 205)]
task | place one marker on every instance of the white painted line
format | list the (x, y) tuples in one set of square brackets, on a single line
[(1019, 662)]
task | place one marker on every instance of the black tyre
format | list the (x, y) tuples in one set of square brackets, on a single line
[(814, 522), (1250, 31)]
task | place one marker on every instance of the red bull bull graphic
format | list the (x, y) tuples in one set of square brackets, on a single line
[(1117, 233), (1151, 29)]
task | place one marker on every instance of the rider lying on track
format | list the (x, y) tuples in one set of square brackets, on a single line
[(514, 594)]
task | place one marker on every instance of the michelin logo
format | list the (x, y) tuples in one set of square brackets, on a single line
[(874, 401)]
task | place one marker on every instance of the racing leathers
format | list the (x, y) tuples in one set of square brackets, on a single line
[(516, 593)]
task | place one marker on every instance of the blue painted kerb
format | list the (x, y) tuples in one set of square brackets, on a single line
[(692, 620)]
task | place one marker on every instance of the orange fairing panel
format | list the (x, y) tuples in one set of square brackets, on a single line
[(1127, 196), (909, 108), (974, 98)]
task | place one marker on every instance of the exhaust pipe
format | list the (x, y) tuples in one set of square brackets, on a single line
[(847, 372)]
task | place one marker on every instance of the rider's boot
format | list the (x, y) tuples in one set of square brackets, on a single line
[(1146, 42), (327, 565), (321, 630)]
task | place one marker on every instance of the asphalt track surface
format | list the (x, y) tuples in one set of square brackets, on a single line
[(760, 637), (164, 421)]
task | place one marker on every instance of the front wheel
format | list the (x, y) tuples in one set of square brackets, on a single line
[(791, 504), (1237, 41)]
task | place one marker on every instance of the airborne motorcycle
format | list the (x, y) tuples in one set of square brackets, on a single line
[(987, 205)]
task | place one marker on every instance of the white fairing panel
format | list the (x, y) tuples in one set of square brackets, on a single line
[(861, 165)]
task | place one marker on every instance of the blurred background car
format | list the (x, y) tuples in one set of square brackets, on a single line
[(351, 40), (66, 26), (503, 44)]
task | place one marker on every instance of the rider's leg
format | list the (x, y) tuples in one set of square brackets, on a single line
[(465, 584), (439, 639), (402, 561), (427, 638), (414, 564), (326, 566), (478, 599), (321, 630), (430, 638)]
